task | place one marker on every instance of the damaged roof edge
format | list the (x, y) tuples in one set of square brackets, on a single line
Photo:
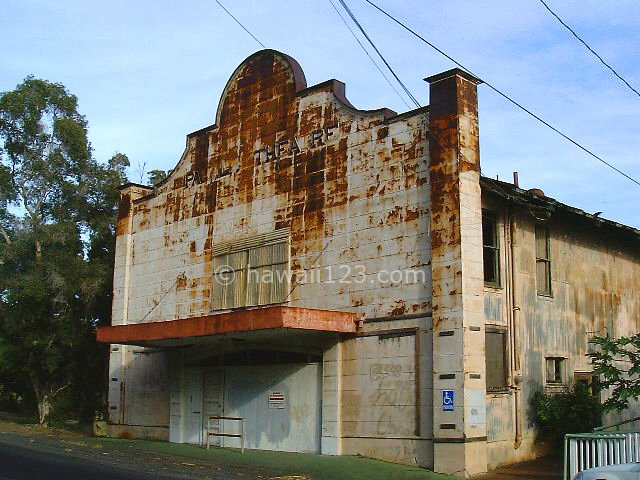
[(520, 196)]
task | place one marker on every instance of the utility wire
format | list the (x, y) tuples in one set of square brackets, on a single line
[(241, 25), (504, 95), (355, 20), (368, 55), (589, 48)]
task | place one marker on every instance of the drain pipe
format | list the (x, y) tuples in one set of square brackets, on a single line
[(514, 310)]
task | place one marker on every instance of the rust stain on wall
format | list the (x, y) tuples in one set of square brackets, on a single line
[(124, 207), (288, 155)]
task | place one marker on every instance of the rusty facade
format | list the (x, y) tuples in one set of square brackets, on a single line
[(295, 179)]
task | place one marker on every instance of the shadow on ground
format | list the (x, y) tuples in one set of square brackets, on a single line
[(545, 468)]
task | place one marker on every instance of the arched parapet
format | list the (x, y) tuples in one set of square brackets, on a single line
[(264, 76)]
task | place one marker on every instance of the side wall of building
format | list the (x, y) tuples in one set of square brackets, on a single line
[(595, 284)]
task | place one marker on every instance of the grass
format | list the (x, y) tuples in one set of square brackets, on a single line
[(314, 466), (53, 423), (318, 467), (17, 418)]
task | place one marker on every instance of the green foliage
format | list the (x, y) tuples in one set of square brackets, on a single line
[(45, 149), (57, 214), (617, 363), (156, 176), (574, 411)]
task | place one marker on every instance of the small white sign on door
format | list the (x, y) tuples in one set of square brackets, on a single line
[(276, 400)]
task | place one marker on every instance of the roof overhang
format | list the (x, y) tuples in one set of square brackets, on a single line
[(534, 202), (273, 322)]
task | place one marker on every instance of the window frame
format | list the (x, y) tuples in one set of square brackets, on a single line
[(562, 361), (495, 248), (224, 297), (500, 330), (547, 291)]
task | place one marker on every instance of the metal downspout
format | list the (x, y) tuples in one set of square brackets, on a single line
[(515, 324)]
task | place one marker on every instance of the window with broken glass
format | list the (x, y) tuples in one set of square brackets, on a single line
[(251, 272), (490, 249), (543, 261)]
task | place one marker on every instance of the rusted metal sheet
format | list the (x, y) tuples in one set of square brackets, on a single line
[(266, 318)]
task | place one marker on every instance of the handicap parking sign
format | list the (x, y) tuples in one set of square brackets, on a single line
[(447, 400)]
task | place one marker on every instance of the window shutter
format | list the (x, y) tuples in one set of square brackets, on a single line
[(260, 267)]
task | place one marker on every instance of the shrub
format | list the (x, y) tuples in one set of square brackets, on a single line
[(574, 411)]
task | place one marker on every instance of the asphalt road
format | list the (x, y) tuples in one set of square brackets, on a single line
[(23, 463)]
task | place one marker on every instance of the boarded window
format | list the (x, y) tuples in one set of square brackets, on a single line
[(490, 249), (267, 269), (496, 358), (251, 272), (543, 261), (555, 370)]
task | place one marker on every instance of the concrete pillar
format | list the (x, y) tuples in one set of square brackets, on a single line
[(330, 442), (124, 243), (459, 386), (120, 301)]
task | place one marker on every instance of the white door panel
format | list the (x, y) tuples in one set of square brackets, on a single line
[(280, 405), (193, 406), (213, 402)]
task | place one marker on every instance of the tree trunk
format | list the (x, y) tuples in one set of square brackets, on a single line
[(38, 252), (44, 397), (44, 404), (5, 235)]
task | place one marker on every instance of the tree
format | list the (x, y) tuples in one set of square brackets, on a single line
[(46, 151), (617, 363), (57, 213), (156, 176)]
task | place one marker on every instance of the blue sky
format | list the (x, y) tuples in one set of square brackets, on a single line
[(148, 72)]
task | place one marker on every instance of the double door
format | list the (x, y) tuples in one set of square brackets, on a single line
[(281, 405), (203, 397)]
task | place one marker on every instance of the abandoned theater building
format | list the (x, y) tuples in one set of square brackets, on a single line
[(346, 282)]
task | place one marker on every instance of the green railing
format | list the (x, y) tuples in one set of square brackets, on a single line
[(617, 425), (597, 449)]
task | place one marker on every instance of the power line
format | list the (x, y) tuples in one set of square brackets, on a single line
[(355, 20), (367, 53), (589, 48), (241, 25), (504, 95)]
